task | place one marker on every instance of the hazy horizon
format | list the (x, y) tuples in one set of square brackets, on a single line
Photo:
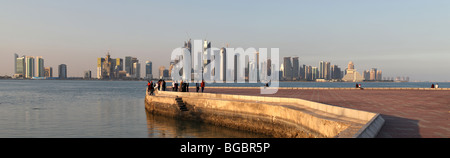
[(401, 38)]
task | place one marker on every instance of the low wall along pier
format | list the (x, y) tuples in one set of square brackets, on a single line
[(272, 116)]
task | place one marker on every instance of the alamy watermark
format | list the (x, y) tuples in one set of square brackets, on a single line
[(227, 65)]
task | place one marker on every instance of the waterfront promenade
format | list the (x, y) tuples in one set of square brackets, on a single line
[(409, 113)]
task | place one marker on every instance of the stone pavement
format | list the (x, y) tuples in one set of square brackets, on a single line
[(408, 113)]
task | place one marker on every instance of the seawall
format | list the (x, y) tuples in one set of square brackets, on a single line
[(273, 116)]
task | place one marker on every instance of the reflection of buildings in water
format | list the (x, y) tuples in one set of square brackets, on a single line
[(167, 127)]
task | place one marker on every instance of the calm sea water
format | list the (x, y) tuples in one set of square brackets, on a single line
[(58, 108), (73, 109)]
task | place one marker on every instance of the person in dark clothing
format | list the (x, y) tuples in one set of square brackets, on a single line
[(148, 86), (187, 86), (197, 87), (432, 85), (163, 85)]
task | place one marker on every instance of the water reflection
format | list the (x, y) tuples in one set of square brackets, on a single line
[(166, 127)]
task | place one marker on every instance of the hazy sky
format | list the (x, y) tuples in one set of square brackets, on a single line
[(401, 37)]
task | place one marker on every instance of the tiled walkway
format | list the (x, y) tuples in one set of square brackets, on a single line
[(408, 113)]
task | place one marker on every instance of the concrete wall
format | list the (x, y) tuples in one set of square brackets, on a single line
[(274, 116)]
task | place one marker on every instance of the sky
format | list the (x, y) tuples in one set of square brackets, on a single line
[(401, 38)]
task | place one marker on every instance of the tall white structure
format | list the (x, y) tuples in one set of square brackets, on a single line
[(137, 70), (40, 71), (223, 64)]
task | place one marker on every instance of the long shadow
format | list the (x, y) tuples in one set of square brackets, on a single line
[(398, 127)]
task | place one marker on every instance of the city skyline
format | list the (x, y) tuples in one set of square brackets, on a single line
[(401, 38)]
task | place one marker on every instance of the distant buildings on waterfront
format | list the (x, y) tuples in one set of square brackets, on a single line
[(290, 70), (117, 68), (29, 67)]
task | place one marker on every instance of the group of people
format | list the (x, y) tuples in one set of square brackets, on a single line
[(358, 86), (181, 87), (434, 85), (160, 85)]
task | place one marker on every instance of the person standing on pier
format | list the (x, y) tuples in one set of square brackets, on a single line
[(197, 87), (202, 85)]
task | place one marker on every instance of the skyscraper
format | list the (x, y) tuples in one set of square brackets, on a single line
[(327, 71), (315, 73), (29, 64), (373, 74), (335, 72), (62, 71), (20, 67), (379, 75), (39, 66), (148, 69), (366, 75), (287, 74), (137, 70), (100, 67), (128, 65), (295, 68), (321, 69)]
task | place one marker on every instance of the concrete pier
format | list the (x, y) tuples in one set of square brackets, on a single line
[(408, 112), (273, 116)]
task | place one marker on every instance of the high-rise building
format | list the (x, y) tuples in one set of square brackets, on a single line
[(100, 67), (128, 65), (109, 68), (62, 71), (315, 73), (321, 69), (324, 70), (287, 74), (295, 69), (373, 74), (137, 70), (335, 72), (308, 73), (29, 64), (327, 72), (366, 75), (379, 75), (39, 66), (20, 67), (48, 72), (161, 71), (148, 69)]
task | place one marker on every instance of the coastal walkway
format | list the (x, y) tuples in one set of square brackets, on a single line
[(408, 112), (278, 117)]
